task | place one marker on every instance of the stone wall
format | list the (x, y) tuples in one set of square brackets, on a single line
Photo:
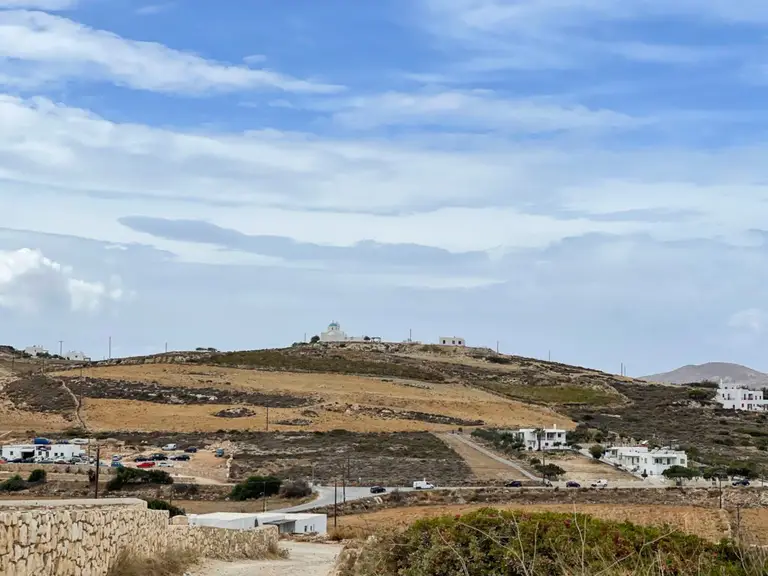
[(83, 537)]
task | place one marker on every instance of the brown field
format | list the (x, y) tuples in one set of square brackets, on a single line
[(483, 467), (583, 469), (707, 523), (447, 399)]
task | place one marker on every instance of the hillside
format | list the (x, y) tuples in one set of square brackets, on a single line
[(356, 387), (713, 371)]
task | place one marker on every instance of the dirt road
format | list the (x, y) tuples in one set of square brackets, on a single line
[(304, 560), (484, 465)]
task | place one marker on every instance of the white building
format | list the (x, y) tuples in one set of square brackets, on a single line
[(738, 397), (288, 523), (640, 460), (35, 350), (77, 356), (336, 334), (545, 438), (46, 451), (451, 341)]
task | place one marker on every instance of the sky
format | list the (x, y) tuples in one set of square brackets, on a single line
[(584, 180)]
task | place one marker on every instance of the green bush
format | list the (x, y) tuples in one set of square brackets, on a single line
[(13, 484), (597, 451), (37, 475), (127, 476), (163, 505), (296, 489), (499, 543), (256, 487)]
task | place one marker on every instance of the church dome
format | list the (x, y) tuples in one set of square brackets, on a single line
[(334, 326)]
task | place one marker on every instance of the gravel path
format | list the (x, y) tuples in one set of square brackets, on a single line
[(304, 560)]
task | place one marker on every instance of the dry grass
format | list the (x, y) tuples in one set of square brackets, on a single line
[(706, 523), (483, 467), (172, 562), (454, 400), (583, 469)]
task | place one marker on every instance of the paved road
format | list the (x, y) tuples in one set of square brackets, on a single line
[(325, 497), (303, 560)]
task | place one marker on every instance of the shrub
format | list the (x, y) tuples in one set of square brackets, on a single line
[(37, 475), (163, 505), (491, 542), (315, 339), (13, 484), (550, 470), (296, 489), (171, 562), (256, 487), (127, 476)]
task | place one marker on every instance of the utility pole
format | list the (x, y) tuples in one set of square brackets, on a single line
[(61, 347), (110, 347), (166, 347), (348, 459), (13, 361), (335, 500), (344, 491), (265, 496), (305, 337), (549, 355), (497, 346), (98, 466), (410, 335)]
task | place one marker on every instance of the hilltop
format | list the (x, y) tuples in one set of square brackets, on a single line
[(359, 387), (714, 372)]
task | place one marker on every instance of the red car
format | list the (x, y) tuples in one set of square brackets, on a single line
[(145, 465)]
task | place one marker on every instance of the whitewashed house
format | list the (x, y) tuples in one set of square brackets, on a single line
[(52, 451), (642, 460), (35, 350), (76, 356), (545, 438), (287, 523), (336, 334), (738, 397), (451, 341)]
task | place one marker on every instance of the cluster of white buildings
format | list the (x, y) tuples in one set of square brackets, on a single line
[(541, 438), (287, 523), (334, 333), (39, 452), (738, 397), (37, 350), (645, 461)]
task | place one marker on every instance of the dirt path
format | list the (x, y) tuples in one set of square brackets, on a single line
[(304, 560), (484, 466), (78, 405)]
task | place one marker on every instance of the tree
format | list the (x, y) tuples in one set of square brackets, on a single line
[(37, 475), (256, 487), (680, 473), (539, 433), (315, 339), (163, 505), (14, 484), (597, 451), (550, 471)]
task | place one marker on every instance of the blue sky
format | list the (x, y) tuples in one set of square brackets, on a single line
[(582, 177)]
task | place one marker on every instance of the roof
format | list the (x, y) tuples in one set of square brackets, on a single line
[(226, 515), (264, 517)]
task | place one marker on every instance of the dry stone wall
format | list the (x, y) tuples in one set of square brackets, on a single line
[(83, 538)]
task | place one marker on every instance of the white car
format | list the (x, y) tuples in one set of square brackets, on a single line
[(602, 483), (169, 447), (422, 485), (165, 464)]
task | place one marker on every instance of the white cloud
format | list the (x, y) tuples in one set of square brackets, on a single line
[(752, 320), (151, 9), (53, 47), (30, 282), (39, 4)]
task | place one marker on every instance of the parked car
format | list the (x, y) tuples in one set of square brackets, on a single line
[(3, 461), (116, 464), (191, 449), (183, 457), (572, 484), (141, 459), (80, 441), (169, 447), (158, 456), (60, 461), (165, 464), (219, 452), (602, 483), (146, 465), (742, 482), (514, 484), (378, 489), (422, 485), (116, 458)]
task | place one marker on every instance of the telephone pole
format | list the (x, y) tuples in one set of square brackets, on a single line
[(61, 347), (110, 347), (166, 347), (497, 346), (335, 500), (98, 466)]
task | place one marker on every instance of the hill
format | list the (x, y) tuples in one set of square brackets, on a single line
[(361, 387), (713, 371)]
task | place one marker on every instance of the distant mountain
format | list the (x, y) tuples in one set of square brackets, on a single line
[(734, 373)]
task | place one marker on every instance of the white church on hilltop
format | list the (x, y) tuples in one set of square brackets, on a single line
[(336, 334)]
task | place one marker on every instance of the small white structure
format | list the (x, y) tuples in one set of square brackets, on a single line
[(451, 341), (738, 397), (541, 438), (288, 523), (640, 460), (336, 334), (35, 350), (42, 451), (77, 356)]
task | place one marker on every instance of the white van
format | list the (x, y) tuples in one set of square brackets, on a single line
[(169, 447), (422, 485)]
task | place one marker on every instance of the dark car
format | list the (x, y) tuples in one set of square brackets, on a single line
[(744, 482), (180, 457), (514, 484), (191, 449), (572, 484), (158, 456), (378, 489), (140, 459)]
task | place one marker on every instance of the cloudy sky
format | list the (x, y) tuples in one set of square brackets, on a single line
[(580, 178)]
